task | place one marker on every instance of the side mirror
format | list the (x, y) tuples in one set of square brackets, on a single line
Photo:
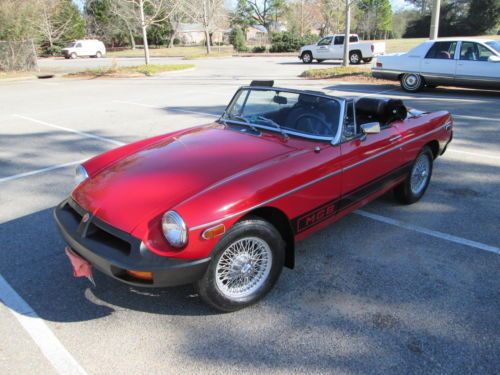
[(371, 128), (494, 58)]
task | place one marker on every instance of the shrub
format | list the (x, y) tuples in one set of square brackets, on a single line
[(259, 49), (237, 39), (288, 41)]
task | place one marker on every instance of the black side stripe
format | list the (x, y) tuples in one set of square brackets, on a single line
[(331, 208)]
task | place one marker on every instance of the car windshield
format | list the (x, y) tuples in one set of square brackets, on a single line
[(301, 114), (495, 44)]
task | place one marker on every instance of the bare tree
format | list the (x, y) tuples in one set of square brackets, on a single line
[(209, 13), (303, 15), (49, 11), (144, 13)]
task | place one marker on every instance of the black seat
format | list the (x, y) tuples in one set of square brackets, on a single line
[(380, 110), (310, 113)]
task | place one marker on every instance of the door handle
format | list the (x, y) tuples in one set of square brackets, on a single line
[(395, 138)]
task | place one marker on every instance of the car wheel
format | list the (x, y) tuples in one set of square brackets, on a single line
[(307, 57), (98, 54), (415, 185), (320, 61), (354, 57), (412, 82), (367, 60), (73, 55), (246, 264)]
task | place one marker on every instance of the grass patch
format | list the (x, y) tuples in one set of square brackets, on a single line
[(337, 72), (10, 75), (129, 71), (186, 52)]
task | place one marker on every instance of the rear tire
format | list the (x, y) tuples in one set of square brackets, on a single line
[(246, 264), (307, 57), (73, 55), (412, 82), (98, 54), (355, 57), (415, 185)]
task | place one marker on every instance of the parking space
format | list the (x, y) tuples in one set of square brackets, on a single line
[(391, 289)]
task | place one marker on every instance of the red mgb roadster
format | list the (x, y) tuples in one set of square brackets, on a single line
[(222, 205)]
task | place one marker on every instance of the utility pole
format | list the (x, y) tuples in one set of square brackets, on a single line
[(435, 19), (348, 4)]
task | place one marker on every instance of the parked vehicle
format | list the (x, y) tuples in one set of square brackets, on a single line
[(85, 47), (465, 62), (331, 47), (222, 205)]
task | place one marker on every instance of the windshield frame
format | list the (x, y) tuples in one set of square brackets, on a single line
[(493, 47), (332, 139)]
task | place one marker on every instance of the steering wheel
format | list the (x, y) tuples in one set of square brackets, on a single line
[(310, 124)]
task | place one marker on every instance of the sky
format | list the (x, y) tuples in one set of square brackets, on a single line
[(396, 4)]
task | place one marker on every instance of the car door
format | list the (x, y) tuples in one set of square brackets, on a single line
[(338, 47), (439, 64), (370, 162), (79, 49), (322, 51), (474, 68)]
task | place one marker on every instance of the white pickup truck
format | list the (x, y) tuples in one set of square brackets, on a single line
[(331, 47)]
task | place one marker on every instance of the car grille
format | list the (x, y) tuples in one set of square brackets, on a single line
[(95, 230)]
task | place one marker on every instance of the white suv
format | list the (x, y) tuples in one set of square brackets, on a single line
[(85, 47)]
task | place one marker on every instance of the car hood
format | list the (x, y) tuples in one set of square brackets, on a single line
[(144, 184)]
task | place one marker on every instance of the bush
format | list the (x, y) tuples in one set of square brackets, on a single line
[(288, 41), (259, 49), (237, 39), (52, 51)]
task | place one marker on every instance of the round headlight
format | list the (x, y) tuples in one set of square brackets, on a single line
[(80, 174), (174, 229)]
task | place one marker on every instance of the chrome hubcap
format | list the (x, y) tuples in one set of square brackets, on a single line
[(354, 58), (243, 267), (411, 80), (420, 174), (307, 58)]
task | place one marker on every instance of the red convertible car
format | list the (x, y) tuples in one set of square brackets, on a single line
[(222, 205)]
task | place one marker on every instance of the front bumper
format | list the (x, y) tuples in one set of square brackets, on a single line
[(113, 252)]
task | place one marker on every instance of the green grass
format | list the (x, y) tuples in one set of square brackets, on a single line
[(404, 45), (337, 72), (115, 70), (186, 52)]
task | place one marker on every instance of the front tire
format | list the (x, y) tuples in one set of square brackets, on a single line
[(246, 264), (307, 57), (73, 55), (412, 82), (98, 54), (415, 185)]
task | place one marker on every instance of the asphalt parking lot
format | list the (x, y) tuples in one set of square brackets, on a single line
[(388, 290)]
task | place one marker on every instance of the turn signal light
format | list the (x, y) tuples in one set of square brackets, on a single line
[(140, 275), (379, 65), (214, 232)]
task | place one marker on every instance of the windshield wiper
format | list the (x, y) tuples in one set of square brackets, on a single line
[(241, 119), (274, 123)]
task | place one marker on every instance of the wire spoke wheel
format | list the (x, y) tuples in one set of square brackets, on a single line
[(243, 267), (420, 174)]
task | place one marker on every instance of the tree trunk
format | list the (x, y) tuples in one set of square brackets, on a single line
[(144, 32), (174, 33), (131, 36), (207, 42), (345, 62)]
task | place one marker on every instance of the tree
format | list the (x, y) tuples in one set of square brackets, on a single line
[(17, 20), (259, 12), (331, 16), (209, 13), (302, 16), (483, 16), (59, 22), (347, 33), (144, 14), (375, 18), (237, 39)]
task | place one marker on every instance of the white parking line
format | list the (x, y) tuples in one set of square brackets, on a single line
[(88, 135), (42, 170), (167, 108), (477, 154), (51, 347), (429, 232), (476, 118)]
